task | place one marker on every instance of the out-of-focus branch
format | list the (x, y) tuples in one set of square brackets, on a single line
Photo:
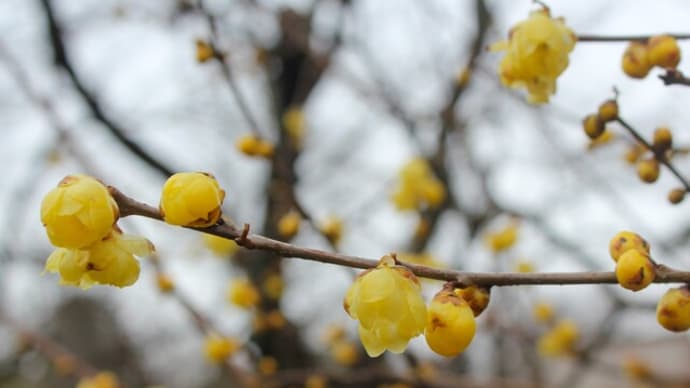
[(242, 237), (61, 60)]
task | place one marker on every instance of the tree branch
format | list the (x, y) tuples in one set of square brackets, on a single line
[(244, 238), (61, 60)]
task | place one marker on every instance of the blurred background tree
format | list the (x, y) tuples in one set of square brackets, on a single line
[(319, 119)]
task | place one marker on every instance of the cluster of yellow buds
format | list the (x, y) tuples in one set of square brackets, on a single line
[(595, 123), (418, 188), (80, 217), (640, 56), (388, 304), (253, 145), (635, 269), (559, 340), (537, 52)]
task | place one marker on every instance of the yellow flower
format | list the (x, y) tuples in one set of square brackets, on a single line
[(559, 340), (388, 303), (537, 53), (221, 247), (99, 380), (191, 199), (218, 348), (418, 187), (110, 261), (288, 224), (332, 229), (503, 239), (78, 212), (243, 293), (450, 324)]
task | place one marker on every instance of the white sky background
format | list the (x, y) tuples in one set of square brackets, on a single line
[(140, 64)]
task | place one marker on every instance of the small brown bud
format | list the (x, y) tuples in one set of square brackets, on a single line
[(608, 111), (676, 196), (593, 126)]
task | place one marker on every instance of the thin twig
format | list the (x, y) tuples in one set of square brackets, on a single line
[(623, 38), (674, 77), (659, 156), (129, 206)]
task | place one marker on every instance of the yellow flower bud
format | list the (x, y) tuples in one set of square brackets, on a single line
[(295, 124), (218, 348), (165, 283), (78, 212), (626, 240), (676, 196), (634, 270), (64, 364), (191, 199), (604, 138), (268, 366), (634, 153), (636, 368), (272, 286), (662, 139), (524, 266), (648, 170), (388, 304), (110, 261), (450, 324), (252, 145), (243, 293), (345, 353), (503, 239), (537, 53), (333, 333), (316, 381), (332, 229), (99, 380), (204, 51), (275, 320), (418, 188), (476, 297), (608, 111), (288, 225), (220, 246), (636, 60), (673, 309), (663, 51), (543, 312), (593, 126), (559, 340)]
